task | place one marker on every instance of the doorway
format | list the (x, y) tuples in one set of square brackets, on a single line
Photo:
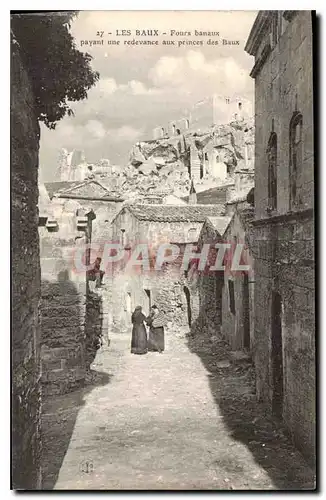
[(277, 354), (246, 312), (128, 303), (188, 302)]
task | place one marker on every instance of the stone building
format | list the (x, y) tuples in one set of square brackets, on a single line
[(151, 225), (90, 194), (25, 333), (217, 110), (282, 45), (209, 283), (72, 165), (212, 110), (67, 199)]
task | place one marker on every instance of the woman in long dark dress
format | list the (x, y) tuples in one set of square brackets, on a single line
[(156, 324), (139, 335)]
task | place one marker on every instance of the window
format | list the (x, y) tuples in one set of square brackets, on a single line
[(192, 234), (275, 30), (187, 124), (272, 172), (201, 174), (123, 238), (295, 155), (231, 296), (173, 128), (227, 100), (239, 105)]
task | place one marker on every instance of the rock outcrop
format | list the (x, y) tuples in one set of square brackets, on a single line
[(166, 165)]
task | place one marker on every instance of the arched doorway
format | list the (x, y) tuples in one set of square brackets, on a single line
[(277, 354), (188, 302), (128, 303), (148, 303)]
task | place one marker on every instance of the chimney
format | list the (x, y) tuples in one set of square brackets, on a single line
[(192, 194)]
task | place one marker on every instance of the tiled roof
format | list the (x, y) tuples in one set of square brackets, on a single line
[(212, 195), (175, 213), (220, 223)]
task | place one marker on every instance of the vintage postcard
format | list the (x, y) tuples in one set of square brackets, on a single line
[(163, 328)]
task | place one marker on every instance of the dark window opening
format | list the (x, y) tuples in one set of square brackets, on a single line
[(275, 30), (295, 155), (123, 238), (240, 105), (231, 297)]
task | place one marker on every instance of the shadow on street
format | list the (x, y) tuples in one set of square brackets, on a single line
[(249, 421), (58, 421)]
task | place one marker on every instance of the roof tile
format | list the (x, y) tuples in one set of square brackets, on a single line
[(175, 213)]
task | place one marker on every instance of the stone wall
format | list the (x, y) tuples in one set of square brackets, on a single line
[(284, 264), (209, 284), (25, 281), (96, 333), (283, 86)]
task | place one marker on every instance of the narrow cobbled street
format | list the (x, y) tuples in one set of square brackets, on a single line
[(185, 419)]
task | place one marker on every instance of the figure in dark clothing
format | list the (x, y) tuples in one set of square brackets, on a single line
[(156, 322), (139, 335)]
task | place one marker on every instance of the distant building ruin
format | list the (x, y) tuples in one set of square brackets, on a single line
[(211, 111)]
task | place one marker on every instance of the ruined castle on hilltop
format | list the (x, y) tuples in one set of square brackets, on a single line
[(211, 111)]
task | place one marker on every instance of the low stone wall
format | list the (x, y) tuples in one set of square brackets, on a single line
[(63, 349), (62, 310), (95, 331)]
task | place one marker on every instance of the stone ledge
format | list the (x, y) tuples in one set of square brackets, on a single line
[(289, 216)]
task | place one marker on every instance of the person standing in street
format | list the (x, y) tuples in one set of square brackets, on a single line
[(139, 334), (156, 322)]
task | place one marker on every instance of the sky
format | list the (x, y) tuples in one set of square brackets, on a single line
[(142, 87)]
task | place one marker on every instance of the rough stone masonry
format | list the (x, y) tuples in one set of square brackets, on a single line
[(25, 280)]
